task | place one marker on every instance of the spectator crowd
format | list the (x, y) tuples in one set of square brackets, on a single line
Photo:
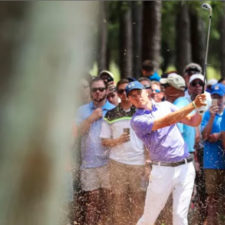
[(152, 149)]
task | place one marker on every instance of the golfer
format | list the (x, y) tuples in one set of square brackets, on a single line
[(172, 166)]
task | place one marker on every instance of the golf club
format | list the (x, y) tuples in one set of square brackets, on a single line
[(207, 7)]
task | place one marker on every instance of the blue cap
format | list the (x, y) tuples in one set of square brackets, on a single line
[(135, 85), (218, 89), (154, 77)]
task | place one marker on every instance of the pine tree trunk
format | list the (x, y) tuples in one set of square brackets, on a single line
[(183, 47), (11, 17), (222, 43), (126, 43), (152, 31), (103, 35), (38, 110), (137, 37), (197, 37)]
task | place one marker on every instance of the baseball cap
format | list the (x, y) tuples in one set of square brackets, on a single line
[(134, 85), (197, 76), (174, 80), (111, 88), (192, 68), (154, 77), (212, 82), (218, 89), (106, 74)]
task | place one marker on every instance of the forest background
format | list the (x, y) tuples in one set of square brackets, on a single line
[(46, 47), (170, 33)]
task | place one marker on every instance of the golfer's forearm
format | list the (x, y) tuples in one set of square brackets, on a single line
[(192, 120), (173, 117)]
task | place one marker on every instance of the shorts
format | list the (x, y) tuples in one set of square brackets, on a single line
[(215, 181), (125, 177), (95, 178)]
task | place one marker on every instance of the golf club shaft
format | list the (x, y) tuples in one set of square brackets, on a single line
[(206, 51), (207, 48)]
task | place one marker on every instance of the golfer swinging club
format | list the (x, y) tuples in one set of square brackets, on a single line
[(172, 167)]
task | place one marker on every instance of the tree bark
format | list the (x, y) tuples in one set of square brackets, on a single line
[(103, 36), (197, 37), (137, 37), (222, 43), (38, 109), (183, 47), (126, 43), (152, 32), (12, 34)]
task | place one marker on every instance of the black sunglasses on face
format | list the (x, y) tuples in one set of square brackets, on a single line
[(121, 91), (147, 87), (195, 83), (101, 89)]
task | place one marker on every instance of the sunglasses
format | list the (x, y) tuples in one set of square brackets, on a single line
[(156, 91), (195, 83), (147, 87), (121, 91), (107, 78), (101, 89)]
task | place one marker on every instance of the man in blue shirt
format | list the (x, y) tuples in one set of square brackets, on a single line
[(223, 129), (214, 157), (172, 170), (174, 86), (94, 157)]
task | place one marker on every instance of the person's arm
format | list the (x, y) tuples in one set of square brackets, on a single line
[(180, 114), (222, 125), (192, 120), (208, 128), (85, 125), (111, 142), (223, 139)]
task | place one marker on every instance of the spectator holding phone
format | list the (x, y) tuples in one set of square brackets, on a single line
[(223, 130), (213, 157), (127, 160)]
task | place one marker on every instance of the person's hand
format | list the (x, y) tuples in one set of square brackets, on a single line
[(213, 110), (124, 137), (200, 100), (96, 114), (214, 137)]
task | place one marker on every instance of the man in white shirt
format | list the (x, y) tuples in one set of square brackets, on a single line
[(127, 160)]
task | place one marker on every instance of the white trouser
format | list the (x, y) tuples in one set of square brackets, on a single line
[(163, 180)]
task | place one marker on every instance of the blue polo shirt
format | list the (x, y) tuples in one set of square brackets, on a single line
[(214, 157), (222, 125), (165, 144), (93, 154), (188, 132)]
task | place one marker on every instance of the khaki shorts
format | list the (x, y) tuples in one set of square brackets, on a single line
[(125, 177), (215, 181), (95, 178)]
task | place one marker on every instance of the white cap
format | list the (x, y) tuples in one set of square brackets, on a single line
[(175, 81), (196, 76), (212, 82)]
